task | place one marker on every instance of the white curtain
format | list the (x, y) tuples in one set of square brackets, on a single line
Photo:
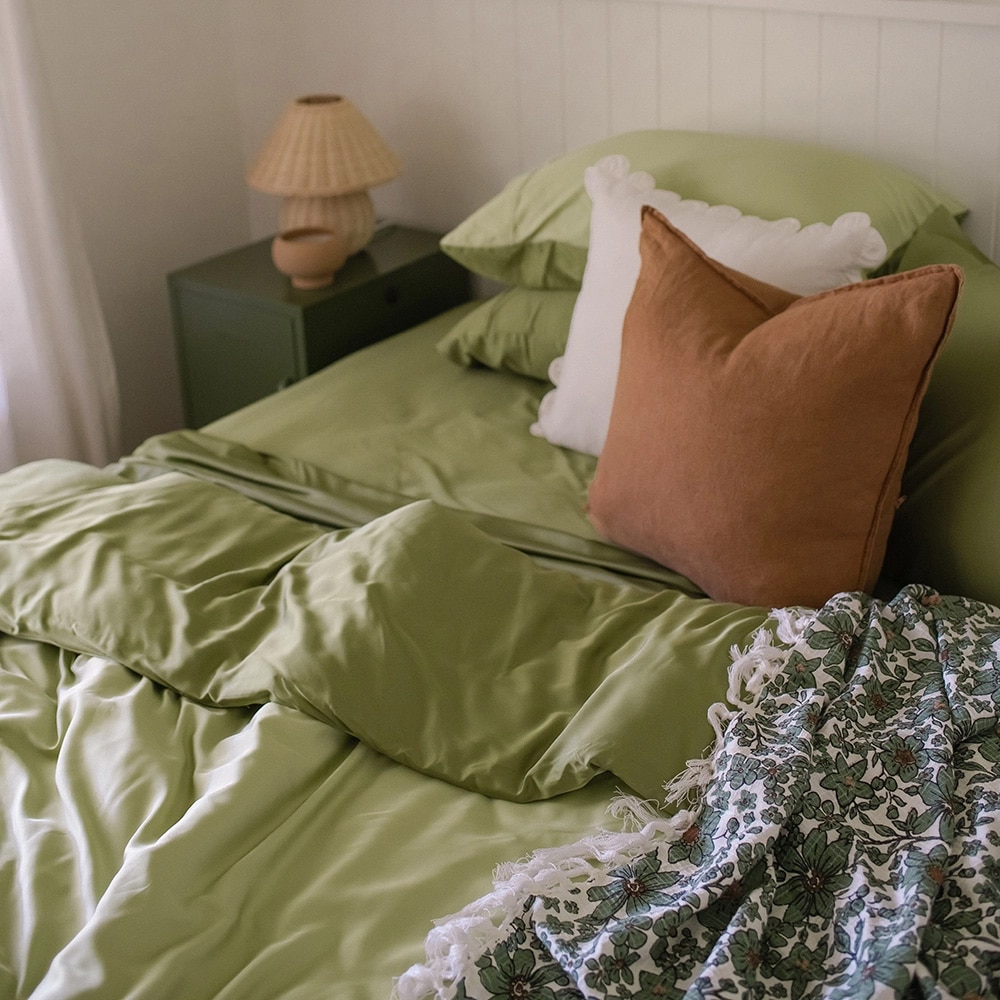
[(58, 391)]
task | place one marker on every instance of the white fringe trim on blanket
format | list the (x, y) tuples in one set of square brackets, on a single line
[(455, 943)]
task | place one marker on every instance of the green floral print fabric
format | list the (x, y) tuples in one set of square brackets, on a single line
[(846, 842)]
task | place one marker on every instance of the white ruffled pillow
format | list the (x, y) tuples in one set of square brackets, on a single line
[(802, 260)]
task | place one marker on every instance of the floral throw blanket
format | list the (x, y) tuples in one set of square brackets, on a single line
[(845, 843)]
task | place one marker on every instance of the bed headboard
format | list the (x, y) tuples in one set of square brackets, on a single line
[(471, 92)]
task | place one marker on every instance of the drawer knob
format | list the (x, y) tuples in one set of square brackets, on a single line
[(392, 295)]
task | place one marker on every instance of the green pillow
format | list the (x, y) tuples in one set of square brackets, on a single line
[(535, 232), (947, 532), (521, 330)]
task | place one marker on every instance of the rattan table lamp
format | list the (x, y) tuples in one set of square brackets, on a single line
[(323, 156)]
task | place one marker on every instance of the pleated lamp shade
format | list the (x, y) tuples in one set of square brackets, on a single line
[(323, 156)]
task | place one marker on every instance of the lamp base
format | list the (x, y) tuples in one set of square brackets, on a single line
[(351, 216)]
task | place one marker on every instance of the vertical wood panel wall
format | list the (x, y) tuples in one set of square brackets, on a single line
[(473, 91)]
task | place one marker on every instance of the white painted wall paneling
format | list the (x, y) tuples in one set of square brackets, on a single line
[(472, 92)]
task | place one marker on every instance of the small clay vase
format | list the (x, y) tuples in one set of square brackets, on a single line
[(309, 255)]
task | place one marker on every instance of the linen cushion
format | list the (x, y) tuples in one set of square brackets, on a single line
[(757, 441), (803, 260), (535, 231), (520, 330), (947, 532)]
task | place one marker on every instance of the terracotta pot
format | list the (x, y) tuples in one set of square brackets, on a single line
[(309, 255)]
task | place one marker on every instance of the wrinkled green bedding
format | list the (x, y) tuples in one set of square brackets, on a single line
[(156, 848), (419, 634), (268, 707), (164, 823)]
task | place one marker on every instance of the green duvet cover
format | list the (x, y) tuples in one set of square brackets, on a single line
[(267, 708)]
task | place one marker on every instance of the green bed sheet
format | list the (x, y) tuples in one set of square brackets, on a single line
[(399, 417), (275, 696)]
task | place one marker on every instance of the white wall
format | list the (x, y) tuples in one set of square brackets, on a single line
[(161, 105), (472, 91)]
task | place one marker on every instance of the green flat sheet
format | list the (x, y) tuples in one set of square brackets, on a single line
[(455, 435), (264, 718)]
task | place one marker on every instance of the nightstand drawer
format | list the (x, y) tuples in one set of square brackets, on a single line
[(383, 306), (233, 354), (243, 331)]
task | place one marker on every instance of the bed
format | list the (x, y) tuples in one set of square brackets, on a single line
[(281, 694)]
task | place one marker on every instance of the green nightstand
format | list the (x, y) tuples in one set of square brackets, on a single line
[(243, 332)]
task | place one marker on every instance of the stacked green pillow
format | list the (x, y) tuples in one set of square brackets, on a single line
[(534, 234), (947, 531), (520, 330)]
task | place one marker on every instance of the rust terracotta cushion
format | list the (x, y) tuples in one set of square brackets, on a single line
[(757, 440)]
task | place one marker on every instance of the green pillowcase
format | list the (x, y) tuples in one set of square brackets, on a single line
[(520, 330), (947, 532), (535, 232)]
